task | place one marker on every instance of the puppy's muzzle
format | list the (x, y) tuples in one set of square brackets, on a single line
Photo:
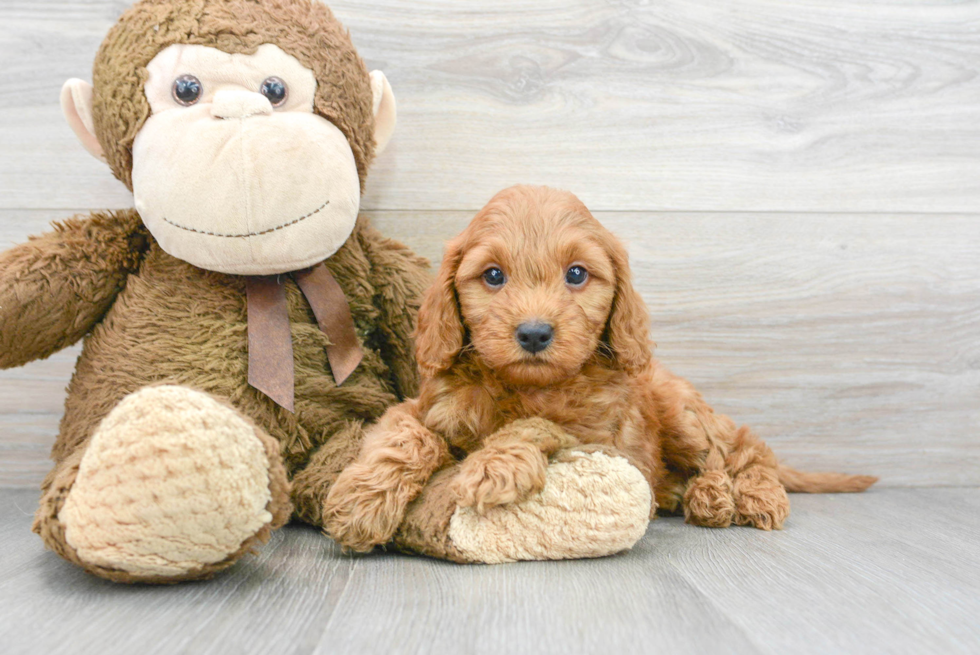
[(534, 336)]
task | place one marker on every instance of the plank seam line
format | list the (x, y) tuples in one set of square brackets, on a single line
[(717, 607), (313, 636)]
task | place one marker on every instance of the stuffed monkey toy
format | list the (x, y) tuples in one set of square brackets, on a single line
[(242, 323)]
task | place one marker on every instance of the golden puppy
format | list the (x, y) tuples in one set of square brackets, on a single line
[(532, 340)]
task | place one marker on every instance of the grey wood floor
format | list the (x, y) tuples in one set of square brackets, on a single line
[(890, 571)]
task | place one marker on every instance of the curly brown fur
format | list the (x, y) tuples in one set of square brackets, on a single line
[(596, 383), (709, 500)]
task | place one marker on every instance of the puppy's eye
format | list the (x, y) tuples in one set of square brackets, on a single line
[(576, 276), (187, 90), (275, 90), (494, 277)]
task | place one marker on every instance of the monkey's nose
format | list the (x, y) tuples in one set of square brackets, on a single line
[(234, 103), (534, 336)]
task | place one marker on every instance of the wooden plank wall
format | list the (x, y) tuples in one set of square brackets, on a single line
[(798, 183)]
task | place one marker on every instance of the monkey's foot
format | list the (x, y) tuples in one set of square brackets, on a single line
[(173, 485), (592, 504)]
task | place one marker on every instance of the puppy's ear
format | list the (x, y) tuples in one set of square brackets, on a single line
[(439, 334), (628, 331)]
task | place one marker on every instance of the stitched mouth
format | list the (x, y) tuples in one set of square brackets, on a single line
[(247, 234)]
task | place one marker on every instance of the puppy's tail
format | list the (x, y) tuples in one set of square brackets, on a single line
[(823, 483)]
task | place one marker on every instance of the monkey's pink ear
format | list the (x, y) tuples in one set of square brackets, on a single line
[(384, 111), (76, 105)]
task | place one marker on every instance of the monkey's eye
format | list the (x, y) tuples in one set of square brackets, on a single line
[(187, 90), (576, 276), (494, 277), (275, 90)]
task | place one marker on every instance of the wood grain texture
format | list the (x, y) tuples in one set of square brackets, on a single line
[(883, 573), (762, 105), (849, 342), (890, 571), (619, 605), (272, 603)]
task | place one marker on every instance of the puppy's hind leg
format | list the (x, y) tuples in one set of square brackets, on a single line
[(760, 498), (694, 446), (737, 483), (709, 498), (367, 502), (731, 474)]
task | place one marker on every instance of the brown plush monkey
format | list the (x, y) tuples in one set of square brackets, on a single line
[(244, 129)]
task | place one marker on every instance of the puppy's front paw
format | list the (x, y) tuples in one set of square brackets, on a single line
[(359, 513), (498, 475)]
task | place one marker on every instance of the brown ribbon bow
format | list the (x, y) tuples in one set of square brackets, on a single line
[(270, 345)]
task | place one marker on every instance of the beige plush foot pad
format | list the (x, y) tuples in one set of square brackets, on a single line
[(171, 482), (592, 505)]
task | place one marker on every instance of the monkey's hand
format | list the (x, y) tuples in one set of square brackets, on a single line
[(56, 287)]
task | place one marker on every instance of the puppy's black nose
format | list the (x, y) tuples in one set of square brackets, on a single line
[(534, 336)]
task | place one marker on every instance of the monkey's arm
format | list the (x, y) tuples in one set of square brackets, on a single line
[(399, 277), (55, 287)]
